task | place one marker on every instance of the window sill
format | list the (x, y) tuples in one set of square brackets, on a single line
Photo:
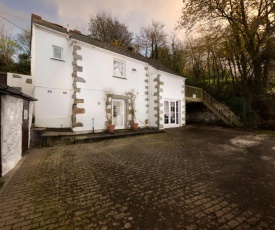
[(120, 77), (57, 59)]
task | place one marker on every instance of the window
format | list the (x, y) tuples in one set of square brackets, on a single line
[(171, 112), (57, 52), (119, 69)]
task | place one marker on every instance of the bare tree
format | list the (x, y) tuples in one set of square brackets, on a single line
[(23, 40), (105, 27), (151, 38)]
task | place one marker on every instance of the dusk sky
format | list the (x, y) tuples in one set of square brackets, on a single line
[(76, 13)]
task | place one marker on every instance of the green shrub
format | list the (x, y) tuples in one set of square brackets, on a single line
[(242, 109)]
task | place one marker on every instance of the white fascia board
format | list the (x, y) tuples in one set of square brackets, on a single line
[(43, 28)]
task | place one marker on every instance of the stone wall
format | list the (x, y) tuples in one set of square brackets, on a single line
[(11, 131), (198, 113)]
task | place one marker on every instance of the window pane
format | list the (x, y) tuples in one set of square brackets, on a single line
[(118, 68), (172, 113), (57, 52), (166, 112), (177, 112), (118, 114)]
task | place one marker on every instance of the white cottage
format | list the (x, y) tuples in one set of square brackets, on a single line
[(80, 81)]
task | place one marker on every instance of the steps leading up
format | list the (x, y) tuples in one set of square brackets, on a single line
[(194, 94), (220, 110)]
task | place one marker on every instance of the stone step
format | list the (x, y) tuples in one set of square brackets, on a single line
[(50, 139)]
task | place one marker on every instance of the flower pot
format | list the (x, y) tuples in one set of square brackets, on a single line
[(134, 126), (110, 128)]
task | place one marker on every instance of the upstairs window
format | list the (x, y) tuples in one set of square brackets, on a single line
[(57, 53), (119, 68)]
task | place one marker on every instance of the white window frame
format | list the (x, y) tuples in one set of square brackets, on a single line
[(115, 115), (177, 113), (117, 72), (61, 50)]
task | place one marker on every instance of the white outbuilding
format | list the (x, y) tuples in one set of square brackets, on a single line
[(15, 122)]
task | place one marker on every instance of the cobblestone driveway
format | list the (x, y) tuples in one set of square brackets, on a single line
[(187, 178)]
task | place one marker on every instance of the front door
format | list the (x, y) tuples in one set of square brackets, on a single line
[(118, 113), (171, 113)]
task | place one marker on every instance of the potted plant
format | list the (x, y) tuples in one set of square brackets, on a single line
[(108, 110), (132, 96), (110, 128)]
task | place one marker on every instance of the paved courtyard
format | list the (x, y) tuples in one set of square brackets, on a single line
[(186, 178)]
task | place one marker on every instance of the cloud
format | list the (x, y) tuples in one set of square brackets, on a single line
[(19, 18), (76, 13), (18, 12), (133, 13)]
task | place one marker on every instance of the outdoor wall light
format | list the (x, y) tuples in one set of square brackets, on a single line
[(134, 70)]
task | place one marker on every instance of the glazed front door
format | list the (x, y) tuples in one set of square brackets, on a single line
[(118, 113), (171, 113)]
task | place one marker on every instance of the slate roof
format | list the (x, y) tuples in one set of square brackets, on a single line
[(5, 89), (104, 45)]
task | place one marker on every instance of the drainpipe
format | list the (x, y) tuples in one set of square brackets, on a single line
[(93, 125), (70, 40)]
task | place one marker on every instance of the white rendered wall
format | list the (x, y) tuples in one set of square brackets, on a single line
[(53, 83), (98, 73), (11, 132), (172, 90), (52, 80), (53, 107), (172, 86), (22, 81)]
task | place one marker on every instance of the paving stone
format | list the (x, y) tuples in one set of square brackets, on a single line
[(22, 224), (186, 178), (127, 225)]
